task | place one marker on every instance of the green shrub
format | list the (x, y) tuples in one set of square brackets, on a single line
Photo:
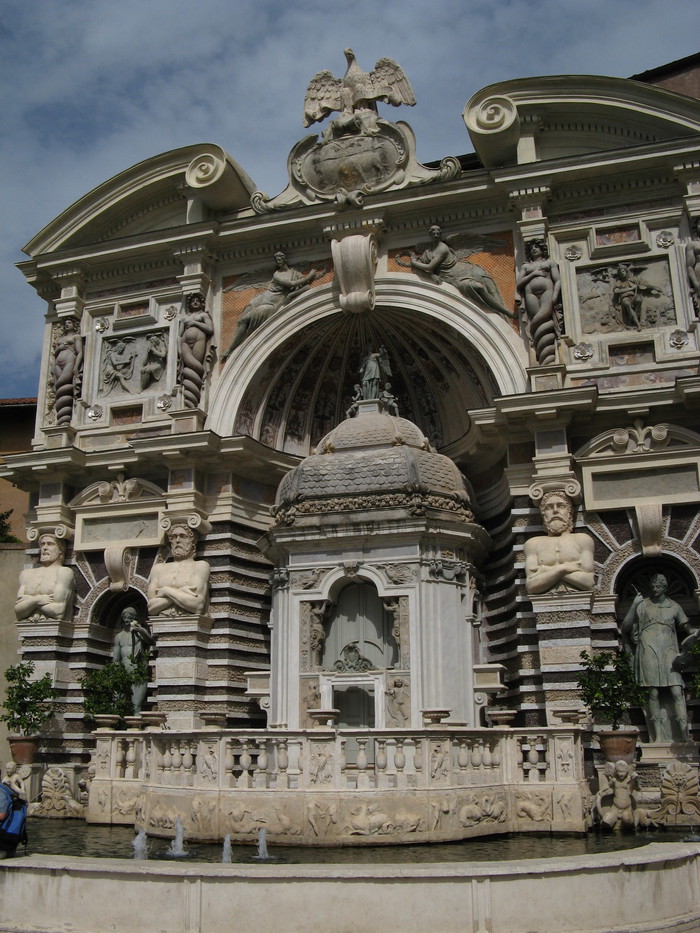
[(28, 703), (608, 686)]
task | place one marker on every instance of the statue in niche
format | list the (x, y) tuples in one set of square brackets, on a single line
[(355, 95), (286, 282), (375, 369), (388, 401), (397, 702), (118, 365), (443, 264), (692, 263), (46, 592), (317, 632), (196, 354), (179, 587), (651, 628), (622, 809), (67, 370), (131, 648), (540, 286), (154, 360), (562, 560)]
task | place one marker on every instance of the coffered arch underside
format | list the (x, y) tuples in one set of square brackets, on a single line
[(293, 379)]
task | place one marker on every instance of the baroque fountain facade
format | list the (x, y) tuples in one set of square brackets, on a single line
[(369, 497)]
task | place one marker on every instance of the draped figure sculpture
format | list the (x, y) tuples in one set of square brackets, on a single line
[(442, 263), (652, 627), (540, 287), (286, 282), (196, 330)]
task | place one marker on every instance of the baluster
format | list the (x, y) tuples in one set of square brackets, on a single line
[(167, 764), (463, 755), (282, 763), (261, 773), (130, 758), (476, 754), (380, 763), (177, 763), (418, 755), (158, 762), (187, 763), (497, 756), (533, 757), (487, 757), (119, 757), (245, 761), (362, 776), (343, 756), (399, 757), (228, 763)]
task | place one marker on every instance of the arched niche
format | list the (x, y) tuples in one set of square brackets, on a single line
[(358, 633), (292, 379), (635, 575)]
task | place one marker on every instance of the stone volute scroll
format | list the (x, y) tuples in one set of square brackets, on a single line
[(354, 251), (494, 126), (562, 560)]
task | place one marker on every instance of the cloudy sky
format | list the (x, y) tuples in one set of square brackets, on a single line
[(90, 87)]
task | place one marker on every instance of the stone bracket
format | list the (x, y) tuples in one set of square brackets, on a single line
[(354, 251)]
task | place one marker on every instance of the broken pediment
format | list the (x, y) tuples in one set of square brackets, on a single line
[(553, 117), (165, 191)]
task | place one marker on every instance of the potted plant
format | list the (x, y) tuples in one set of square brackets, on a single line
[(27, 705), (609, 690), (108, 691)]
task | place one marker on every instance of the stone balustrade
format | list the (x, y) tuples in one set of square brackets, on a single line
[(325, 785)]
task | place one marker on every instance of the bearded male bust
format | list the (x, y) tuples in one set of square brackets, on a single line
[(561, 560), (180, 587)]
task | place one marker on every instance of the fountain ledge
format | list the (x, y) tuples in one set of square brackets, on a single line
[(650, 889)]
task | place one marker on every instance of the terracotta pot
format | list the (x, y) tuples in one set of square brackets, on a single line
[(619, 745), (23, 748)]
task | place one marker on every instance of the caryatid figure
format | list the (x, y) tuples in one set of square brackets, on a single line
[(179, 587), (46, 592), (561, 560)]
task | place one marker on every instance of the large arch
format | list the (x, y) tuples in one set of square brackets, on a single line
[(449, 356)]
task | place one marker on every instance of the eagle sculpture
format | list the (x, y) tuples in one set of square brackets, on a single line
[(356, 90)]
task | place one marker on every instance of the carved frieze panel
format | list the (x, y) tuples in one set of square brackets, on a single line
[(133, 364), (634, 295)]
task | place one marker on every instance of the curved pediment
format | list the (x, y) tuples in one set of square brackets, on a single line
[(536, 119), (149, 196)]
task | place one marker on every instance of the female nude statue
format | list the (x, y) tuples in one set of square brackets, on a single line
[(540, 286)]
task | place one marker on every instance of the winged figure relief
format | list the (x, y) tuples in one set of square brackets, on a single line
[(356, 90)]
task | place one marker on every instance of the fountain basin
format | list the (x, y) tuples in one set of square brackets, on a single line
[(651, 888)]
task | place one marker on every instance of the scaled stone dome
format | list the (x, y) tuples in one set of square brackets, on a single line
[(373, 461)]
